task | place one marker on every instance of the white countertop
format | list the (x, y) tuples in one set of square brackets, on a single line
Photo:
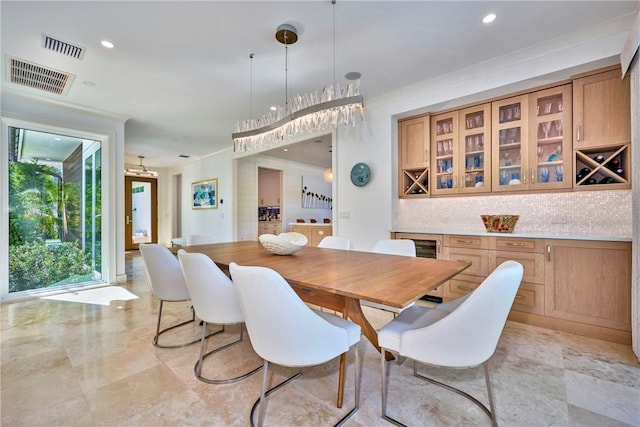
[(523, 235), (313, 224)]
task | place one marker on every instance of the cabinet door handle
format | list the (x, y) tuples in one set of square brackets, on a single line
[(426, 155), (549, 253), (533, 176), (514, 244), (578, 133), (466, 288), (524, 176), (520, 296), (463, 241)]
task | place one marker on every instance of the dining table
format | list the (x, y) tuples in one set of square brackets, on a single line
[(339, 279)]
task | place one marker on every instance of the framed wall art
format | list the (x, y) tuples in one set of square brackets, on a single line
[(204, 194)]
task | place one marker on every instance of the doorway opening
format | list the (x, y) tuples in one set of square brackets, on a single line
[(140, 211)]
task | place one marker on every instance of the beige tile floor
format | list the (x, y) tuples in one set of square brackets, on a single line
[(69, 363)]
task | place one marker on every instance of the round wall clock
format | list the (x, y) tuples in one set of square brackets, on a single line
[(360, 174)]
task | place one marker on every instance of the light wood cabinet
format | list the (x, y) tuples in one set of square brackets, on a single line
[(269, 227), (601, 110), (413, 157), (578, 286), (269, 187), (461, 141), (589, 282), (313, 233), (602, 133), (510, 128), (550, 154)]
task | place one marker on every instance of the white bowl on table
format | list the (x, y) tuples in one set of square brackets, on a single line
[(284, 243)]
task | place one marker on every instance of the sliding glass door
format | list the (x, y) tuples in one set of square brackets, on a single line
[(55, 210)]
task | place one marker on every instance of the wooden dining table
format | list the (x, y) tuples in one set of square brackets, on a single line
[(339, 279)]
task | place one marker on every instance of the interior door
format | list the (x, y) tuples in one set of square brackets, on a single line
[(140, 211)]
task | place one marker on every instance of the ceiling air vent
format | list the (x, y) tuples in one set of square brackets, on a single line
[(62, 47), (38, 77)]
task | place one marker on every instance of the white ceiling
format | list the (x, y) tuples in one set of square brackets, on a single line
[(181, 71)]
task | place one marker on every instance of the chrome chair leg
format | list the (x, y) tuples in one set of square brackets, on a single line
[(262, 403), (385, 385), (490, 413), (197, 369), (160, 332)]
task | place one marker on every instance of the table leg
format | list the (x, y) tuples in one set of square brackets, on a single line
[(354, 312)]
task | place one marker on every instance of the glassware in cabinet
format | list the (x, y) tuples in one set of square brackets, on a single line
[(550, 138), (444, 143), (475, 149), (510, 139)]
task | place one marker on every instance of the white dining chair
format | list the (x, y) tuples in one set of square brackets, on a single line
[(167, 284), (285, 331), (335, 242), (215, 302), (403, 247), (465, 337), (200, 239)]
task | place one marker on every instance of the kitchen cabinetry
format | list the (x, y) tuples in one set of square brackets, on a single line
[(510, 129), (268, 187), (313, 233), (413, 156), (589, 282), (550, 165), (461, 143), (269, 227), (577, 286), (602, 133)]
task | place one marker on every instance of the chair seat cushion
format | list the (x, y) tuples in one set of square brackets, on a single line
[(353, 330), (413, 317)]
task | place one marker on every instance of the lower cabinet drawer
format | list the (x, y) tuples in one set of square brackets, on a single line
[(479, 259), (530, 298), (461, 285)]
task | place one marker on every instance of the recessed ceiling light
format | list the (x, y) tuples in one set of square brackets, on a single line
[(285, 149), (107, 44), (273, 108), (352, 75), (489, 18)]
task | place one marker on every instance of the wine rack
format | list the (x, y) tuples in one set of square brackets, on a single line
[(607, 167), (415, 182)]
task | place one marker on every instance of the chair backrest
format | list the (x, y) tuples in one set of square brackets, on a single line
[(335, 242), (313, 221), (212, 293), (201, 239), (300, 220), (282, 328), (404, 247), (468, 336), (326, 221), (164, 273)]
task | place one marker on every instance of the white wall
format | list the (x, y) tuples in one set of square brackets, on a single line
[(220, 221)]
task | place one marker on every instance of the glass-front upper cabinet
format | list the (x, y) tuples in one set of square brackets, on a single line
[(550, 138), (475, 149), (444, 140), (510, 129)]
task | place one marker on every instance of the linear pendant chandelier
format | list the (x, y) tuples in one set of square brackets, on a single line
[(311, 112)]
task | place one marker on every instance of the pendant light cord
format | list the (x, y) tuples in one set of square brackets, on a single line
[(286, 75), (333, 2), (251, 84)]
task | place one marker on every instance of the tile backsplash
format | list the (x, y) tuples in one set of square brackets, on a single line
[(580, 213)]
